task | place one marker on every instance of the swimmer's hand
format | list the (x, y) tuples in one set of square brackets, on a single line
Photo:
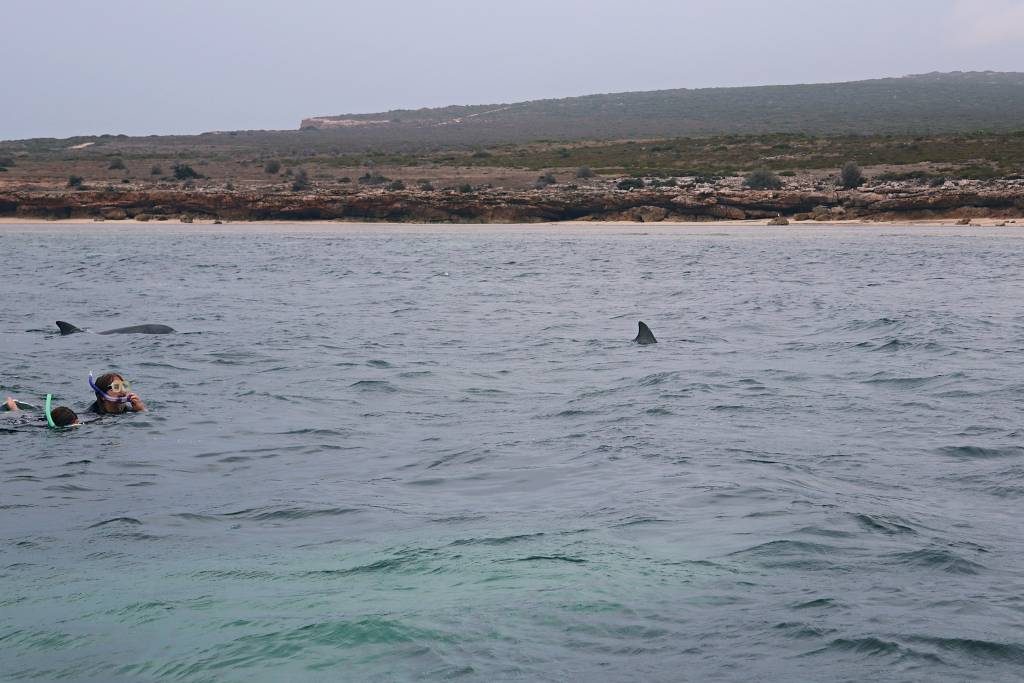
[(137, 405), (11, 404)]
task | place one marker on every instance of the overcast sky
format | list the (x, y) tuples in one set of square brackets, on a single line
[(73, 67)]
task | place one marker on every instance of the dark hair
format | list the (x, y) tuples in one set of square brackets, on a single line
[(63, 416), (104, 381)]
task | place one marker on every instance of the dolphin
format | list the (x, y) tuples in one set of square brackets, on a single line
[(645, 336), (68, 328)]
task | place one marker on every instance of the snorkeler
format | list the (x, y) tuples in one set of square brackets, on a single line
[(113, 395), (61, 416)]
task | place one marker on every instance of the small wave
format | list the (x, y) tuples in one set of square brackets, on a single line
[(802, 630), (869, 324), (373, 385), (893, 345), (816, 604), (979, 452), (573, 412), (938, 558), (874, 647), (658, 378), (788, 554), (907, 382), (882, 525), (496, 540), (66, 487), (550, 558), (115, 520), (985, 650), (270, 514)]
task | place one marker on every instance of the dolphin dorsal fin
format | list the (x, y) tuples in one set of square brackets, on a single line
[(67, 328), (645, 336)]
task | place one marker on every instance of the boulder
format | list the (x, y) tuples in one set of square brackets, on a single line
[(733, 213), (650, 214), (778, 220), (111, 213)]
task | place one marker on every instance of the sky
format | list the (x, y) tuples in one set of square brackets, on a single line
[(141, 67)]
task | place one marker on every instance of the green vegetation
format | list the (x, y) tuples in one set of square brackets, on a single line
[(762, 179), (584, 172), (630, 184), (76, 182), (300, 181), (156, 170), (927, 103), (185, 172), (116, 164), (850, 176), (272, 167)]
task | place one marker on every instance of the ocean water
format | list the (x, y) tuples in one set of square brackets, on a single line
[(382, 453)]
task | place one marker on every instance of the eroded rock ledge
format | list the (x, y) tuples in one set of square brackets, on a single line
[(994, 200)]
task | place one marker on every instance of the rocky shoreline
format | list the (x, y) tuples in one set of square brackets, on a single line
[(999, 199)]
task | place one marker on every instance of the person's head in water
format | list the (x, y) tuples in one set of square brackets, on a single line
[(113, 395), (63, 416)]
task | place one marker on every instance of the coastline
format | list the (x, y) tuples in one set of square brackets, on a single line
[(1001, 201), (469, 227)]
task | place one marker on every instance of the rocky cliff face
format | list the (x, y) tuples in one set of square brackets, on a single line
[(997, 199)]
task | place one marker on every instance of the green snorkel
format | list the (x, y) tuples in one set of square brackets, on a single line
[(46, 410)]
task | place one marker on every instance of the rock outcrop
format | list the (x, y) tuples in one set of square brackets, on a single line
[(995, 199)]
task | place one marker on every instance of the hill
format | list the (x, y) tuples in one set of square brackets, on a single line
[(928, 103)]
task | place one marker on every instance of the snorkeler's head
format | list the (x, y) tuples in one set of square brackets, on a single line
[(63, 416), (107, 383)]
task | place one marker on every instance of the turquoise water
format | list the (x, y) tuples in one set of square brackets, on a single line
[(401, 453)]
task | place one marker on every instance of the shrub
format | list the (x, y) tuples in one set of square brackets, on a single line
[(396, 185), (545, 180), (76, 181), (762, 179), (630, 184), (116, 164), (272, 167), (185, 172), (301, 181), (156, 170), (584, 172), (7, 161), (465, 187), (344, 179), (374, 178), (850, 176), (481, 154)]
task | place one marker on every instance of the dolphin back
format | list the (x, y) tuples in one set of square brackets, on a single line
[(645, 336), (141, 329), (67, 328)]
